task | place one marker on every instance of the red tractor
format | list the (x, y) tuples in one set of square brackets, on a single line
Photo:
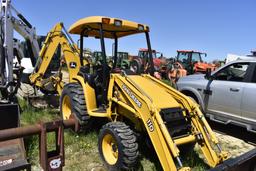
[(141, 63), (192, 61), (188, 62)]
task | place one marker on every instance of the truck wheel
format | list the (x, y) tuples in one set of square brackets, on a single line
[(118, 146), (72, 101)]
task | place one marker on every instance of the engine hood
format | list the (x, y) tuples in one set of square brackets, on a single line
[(193, 77), (160, 97)]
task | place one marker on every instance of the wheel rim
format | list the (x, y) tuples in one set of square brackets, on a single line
[(134, 68), (110, 149), (66, 107)]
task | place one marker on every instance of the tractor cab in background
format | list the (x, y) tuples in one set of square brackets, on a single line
[(123, 60), (138, 63), (192, 61), (144, 55)]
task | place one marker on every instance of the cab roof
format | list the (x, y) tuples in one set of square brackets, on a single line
[(146, 50), (189, 51), (111, 27)]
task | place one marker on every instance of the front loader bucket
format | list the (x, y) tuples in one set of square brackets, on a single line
[(246, 162), (12, 152)]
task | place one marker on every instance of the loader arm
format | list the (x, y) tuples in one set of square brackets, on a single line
[(55, 38), (209, 141), (144, 109), (149, 117)]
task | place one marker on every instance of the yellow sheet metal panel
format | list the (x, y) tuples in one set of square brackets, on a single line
[(161, 98), (126, 28)]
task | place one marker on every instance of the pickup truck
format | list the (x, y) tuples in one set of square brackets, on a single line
[(227, 95)]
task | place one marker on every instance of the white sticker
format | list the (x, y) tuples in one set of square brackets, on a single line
[(5, 162), (133, 97), (150, 125), (54, 164)]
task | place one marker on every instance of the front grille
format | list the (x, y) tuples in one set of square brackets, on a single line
[(175, 121)]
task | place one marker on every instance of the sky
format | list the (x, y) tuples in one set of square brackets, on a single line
[(217, 27)]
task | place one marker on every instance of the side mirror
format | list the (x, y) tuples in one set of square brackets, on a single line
[(208, 74)]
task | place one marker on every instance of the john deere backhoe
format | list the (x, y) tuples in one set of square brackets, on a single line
[(134, 104)]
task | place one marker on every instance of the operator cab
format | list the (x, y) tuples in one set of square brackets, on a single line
[(189, 57), (100, 27), (144, 54), (186, 56)]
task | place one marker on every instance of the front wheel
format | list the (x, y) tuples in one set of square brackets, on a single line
[(118, 146)]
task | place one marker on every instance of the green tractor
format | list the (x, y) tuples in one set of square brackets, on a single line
[(123, 60)]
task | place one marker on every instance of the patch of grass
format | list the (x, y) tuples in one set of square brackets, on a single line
[(169, 83), (191, 158), (31, 115), (81, 152)]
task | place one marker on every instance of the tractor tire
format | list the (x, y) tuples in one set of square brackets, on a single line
[(118, 146), (72, 101), (135, 66)]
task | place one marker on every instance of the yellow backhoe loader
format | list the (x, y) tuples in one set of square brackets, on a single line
[(134, 104)]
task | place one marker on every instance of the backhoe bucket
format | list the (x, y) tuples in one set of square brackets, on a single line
[(12, 152), (246, 162)]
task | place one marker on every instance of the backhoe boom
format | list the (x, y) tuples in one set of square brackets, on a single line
[(55, 38)]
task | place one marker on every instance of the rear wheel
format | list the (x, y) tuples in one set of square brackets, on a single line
[(135, 66), (72, 101), (118, 146)]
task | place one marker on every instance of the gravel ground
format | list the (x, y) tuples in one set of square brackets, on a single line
[(233, 145)]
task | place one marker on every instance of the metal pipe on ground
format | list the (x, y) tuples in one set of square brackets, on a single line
[(20, 132)]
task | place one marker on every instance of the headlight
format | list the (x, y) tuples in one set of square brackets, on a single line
[(140, 27), (105, 20), (118, 23)]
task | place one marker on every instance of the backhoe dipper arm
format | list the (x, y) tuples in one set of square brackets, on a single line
[(30, 35), (70, 53)]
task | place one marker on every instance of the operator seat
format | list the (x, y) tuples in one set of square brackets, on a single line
[(119, 70), (95, 79)]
